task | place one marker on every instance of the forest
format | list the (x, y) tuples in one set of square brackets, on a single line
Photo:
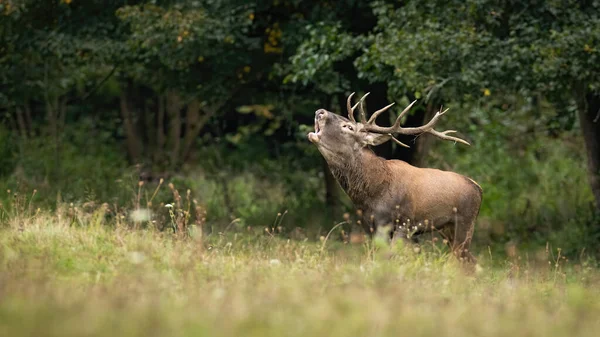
[(166, 140)]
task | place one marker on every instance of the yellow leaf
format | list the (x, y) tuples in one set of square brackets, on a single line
[(486, 92), (179, 38), (200, 59), (268, 49), (251, 16)]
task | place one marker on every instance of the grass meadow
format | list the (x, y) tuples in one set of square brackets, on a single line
[(71, 272)]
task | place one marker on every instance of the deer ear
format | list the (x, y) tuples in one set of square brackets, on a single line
[(375, 139)]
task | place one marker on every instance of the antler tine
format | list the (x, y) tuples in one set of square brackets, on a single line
[(396, 128), (350, 108), (401, 115), (376, 113), (420, 129), (399, 142), (444, 135), (363, 115)]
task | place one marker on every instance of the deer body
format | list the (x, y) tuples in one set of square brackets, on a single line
[(391, 192)]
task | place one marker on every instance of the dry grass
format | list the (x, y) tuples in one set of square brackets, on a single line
[(94, 279)]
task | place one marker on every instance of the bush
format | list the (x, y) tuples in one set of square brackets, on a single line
[(85, 165)]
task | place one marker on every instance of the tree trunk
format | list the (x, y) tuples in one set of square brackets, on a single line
[(134, 147), (148, 129), (174, 112), (28, 121), (52, 115), (21, 122), (589, 120), (192, 127), (195, 122), (13, 122), (61, 112), (160, 130)]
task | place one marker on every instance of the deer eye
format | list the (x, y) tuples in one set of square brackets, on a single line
[(349, 127)]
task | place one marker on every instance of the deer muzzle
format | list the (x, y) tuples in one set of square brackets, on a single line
[(315, 137)]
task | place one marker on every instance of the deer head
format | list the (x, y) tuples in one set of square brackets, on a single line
[(392, 192), (336, 135)]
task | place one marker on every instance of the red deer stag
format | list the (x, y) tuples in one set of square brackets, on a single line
[(392, 192)]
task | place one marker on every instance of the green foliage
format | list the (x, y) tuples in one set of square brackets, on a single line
[(426, 48), (253, 190), (468, 47), (198, 47), (50, 48), (314, 60), (86, 168), (568, 53)]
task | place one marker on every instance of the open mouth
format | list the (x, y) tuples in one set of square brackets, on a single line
[(315, 137)]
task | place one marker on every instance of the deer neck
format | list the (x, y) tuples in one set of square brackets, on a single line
[(363, 177)]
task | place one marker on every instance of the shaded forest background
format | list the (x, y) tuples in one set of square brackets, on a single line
[(216, 97)]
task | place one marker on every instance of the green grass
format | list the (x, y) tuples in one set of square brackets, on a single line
[(57, 279)]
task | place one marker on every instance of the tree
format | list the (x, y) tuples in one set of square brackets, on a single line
[(193, 58), (50, 50), (168, 67)]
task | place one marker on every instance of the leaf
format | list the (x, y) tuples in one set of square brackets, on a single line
[(245, 109)]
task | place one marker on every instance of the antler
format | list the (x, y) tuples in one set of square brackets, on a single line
[(396, 127), (352, 108)]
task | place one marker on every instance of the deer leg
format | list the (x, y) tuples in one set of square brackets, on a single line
[(447, 233), (461, 241)]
